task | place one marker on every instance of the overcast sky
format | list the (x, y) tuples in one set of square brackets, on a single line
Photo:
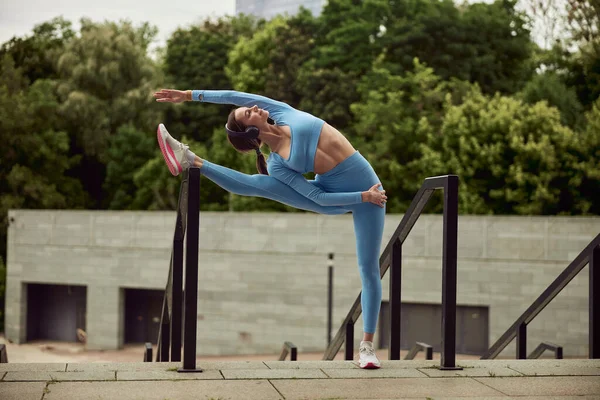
[(18, 17)]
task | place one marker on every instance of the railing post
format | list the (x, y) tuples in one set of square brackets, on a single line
[(450, 244), (329, 297), (522, 341), (395, 301), (349, 343), (176, 290), (164, 340), (191, 273), (594, 295), (148, 352)]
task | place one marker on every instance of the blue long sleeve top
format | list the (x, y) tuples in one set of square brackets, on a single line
[(305, 129)]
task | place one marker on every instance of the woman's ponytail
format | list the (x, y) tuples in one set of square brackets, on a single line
[(261, 163)]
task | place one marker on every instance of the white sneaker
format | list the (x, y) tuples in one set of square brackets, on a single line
[(368, 358), (174, 152)]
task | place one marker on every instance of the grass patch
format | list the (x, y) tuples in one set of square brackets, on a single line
[(174, 369)]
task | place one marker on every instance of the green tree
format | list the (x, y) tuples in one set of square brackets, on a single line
[(550, 87), (512, 158), (128, 151), (36, 55), (484, 43), (349, 39), (106, 81), (390, 117), (36, 164), (195, 58), (586, 168)]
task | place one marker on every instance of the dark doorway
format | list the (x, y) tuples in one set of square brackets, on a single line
[(55, 312), (142, 315), (423, 323)]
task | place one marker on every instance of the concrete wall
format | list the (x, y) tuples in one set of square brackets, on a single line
[(263, 276)]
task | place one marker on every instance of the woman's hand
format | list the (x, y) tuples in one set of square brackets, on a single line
[(173, 96), (375, 196)]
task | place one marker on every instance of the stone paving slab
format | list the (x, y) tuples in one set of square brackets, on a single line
[(161, 390), (22, 390), (59, 376), (55, 367), (384, 388), (552, 386), (502, 397), (163, 366), (470, 371), (554, 371), (374, 373), (310, 364), (167, 375), (537, 363), (231, 365), (399, 364), (274, 374), (122, 366)]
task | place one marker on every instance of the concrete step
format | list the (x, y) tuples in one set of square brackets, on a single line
[(493, 379)]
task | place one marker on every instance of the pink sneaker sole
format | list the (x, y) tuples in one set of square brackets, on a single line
[(168, 155), (370, 366)]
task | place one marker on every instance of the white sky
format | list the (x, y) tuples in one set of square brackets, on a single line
[(18, 17)]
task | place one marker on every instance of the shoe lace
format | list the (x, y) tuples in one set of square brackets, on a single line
[(368, 351)]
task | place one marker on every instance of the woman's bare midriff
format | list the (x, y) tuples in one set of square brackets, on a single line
[(332, 149)]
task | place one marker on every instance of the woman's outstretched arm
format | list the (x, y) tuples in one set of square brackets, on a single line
[(240, 99)]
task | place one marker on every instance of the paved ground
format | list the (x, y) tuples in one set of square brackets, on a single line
[(68, 352), (249, 380)]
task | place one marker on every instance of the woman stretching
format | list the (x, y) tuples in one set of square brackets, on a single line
[(299, 143)]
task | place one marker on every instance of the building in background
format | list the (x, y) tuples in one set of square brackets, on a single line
[(262, 279), (269, 8)]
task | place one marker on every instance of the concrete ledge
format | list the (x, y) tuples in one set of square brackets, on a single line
[(470, 371), (274, 374), (161, 390), (49, 367), (310, 364), (553, 386), (28, 376), (22, 391), (481, 379), (167, 375)]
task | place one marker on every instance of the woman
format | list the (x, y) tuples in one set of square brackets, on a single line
[(299, 143)]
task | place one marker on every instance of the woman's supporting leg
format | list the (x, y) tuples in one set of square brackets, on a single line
[(266, 186), (368, 229)]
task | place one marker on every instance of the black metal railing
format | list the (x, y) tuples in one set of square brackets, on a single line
[(590, 255), (417, 348), (542, 347), (392, 256), (148, 352), (179, 308), (3, 354), (291, 349)]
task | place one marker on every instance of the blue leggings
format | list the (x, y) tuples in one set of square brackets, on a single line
[(353, 174)]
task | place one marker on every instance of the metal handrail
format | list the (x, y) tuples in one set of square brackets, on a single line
[(291, 349), (148, 352), (417, 348), (558, 350), (392, 255), (589, 255), (170, 334), (3, 354)]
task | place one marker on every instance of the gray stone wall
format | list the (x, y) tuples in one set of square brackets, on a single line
[(263, 276)]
